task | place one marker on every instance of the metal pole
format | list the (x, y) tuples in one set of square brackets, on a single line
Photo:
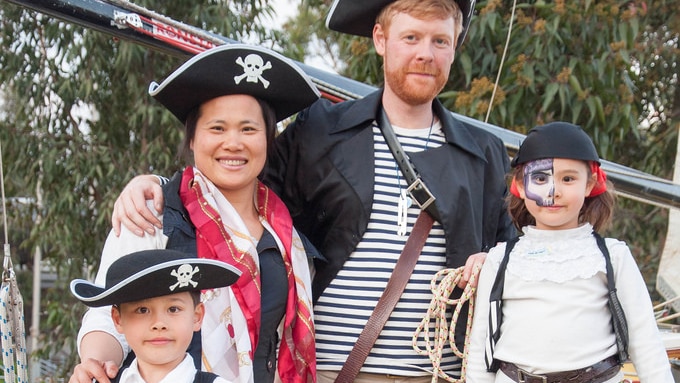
[(37, 285), (668, 276)]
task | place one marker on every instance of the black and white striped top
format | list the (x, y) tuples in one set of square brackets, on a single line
[(346, 304)]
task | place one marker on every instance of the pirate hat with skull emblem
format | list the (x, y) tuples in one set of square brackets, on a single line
[(154, 273), (236, 69), (357, 17)]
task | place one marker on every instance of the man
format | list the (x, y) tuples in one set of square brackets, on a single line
[(336, 174)]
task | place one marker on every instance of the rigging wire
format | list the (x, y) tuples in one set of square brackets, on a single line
[(500, 67), (12, 330), (2, 188)]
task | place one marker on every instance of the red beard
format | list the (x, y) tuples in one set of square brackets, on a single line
[(415, 91)]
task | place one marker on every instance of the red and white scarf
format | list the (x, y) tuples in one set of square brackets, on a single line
[(232, 322)]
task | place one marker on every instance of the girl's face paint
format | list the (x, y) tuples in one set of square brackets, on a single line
[(539, 181)]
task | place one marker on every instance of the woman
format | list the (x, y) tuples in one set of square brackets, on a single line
[(229, 99)]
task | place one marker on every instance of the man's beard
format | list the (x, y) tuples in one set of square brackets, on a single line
[(415, 92)]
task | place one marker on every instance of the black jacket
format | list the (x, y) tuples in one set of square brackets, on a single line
[(323, 169)]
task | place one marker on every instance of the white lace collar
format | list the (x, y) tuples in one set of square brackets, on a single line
[(556, 255)]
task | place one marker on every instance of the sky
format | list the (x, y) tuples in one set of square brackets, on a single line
[(286, 9)]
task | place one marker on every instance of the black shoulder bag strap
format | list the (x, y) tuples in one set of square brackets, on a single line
[(416, 188), (618, 316), (204, 377), (496, 309)]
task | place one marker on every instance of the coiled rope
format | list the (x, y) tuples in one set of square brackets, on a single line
[(442, 285), (12, 332)]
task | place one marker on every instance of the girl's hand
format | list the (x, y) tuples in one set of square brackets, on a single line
[(473, 266), (90, 369)]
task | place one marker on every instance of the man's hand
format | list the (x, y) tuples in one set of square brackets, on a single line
[(131, 209), (473, 266), (90, 369)]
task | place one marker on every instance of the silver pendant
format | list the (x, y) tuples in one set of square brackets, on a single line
[(402, 212)]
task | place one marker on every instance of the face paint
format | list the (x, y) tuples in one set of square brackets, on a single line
[(539, 181)]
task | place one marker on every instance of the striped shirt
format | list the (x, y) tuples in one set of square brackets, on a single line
[(346, 304)]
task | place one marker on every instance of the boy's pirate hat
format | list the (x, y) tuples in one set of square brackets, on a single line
[(357, 17), (236, 69), (153, 273)]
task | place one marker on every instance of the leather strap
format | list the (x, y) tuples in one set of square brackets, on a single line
[(416, 188), (597, 373), (618, 315), (395, 287)]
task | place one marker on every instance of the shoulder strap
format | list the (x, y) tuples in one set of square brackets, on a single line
[(496, 309), (416, 187), (204, 377), (389, 298), (618, 316)]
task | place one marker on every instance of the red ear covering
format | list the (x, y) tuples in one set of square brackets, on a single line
[(513, 188), (601, 185)]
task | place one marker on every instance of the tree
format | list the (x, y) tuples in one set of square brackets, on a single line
[(77, 124)]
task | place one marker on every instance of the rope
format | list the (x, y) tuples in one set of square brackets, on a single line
[(12, 332), (441, 291), (500, 67)]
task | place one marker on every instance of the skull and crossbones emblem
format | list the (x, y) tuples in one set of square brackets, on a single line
[(184, 275), (253, 66)]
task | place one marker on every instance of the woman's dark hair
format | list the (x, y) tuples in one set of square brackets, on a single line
[(268, 114), (597, 210)]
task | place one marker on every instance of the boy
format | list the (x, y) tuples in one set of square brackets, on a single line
[(155, 302)]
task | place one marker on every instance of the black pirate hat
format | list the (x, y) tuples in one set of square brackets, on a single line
[(556, 140), (236, 69), (357, 17), (154, 273)]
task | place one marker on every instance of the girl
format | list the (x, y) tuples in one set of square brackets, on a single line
[(560, 304)]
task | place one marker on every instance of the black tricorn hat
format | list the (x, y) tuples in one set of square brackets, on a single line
[(556, 140), (357, 17), (236, 69), (154, 273)]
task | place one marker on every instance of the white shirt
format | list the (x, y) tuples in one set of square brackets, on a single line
[(183, 373), (555, 314)]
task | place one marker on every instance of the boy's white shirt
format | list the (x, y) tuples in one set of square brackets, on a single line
[(183, 373)]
